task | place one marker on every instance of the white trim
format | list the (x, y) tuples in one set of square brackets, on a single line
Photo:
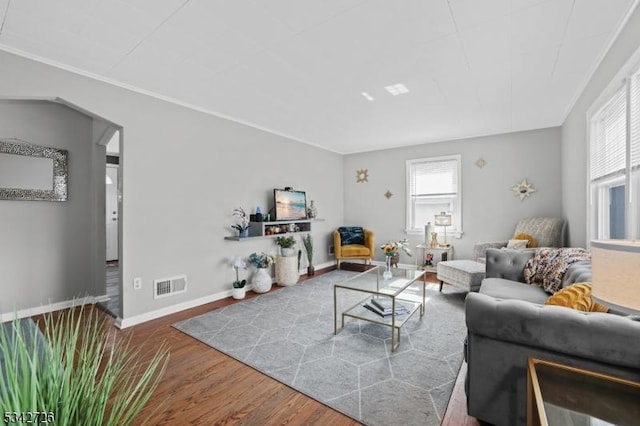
[(155, 95), (619, 81), (159, 313), (52, 307)]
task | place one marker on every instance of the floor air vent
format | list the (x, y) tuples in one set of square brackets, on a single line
[(168, 286)]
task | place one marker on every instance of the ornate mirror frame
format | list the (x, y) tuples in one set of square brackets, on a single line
[(59, 174)]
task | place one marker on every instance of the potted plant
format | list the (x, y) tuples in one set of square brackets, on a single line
[(239, 290), (243, 226), (261, 280), (392, 255), (286, 245), (307, 240), (78, 370)]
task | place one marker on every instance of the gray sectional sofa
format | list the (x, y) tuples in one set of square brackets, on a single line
[(508, 322)]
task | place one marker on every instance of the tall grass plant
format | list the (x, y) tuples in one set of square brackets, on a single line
[(82, 372)]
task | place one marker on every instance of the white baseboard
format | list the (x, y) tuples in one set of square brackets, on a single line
[(158, 313), (52, 307), (136, 319), (148, 316)]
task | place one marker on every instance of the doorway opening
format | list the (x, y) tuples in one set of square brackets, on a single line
[(113, 200)]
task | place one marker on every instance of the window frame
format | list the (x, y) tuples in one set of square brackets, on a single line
[(455, 230), (598, 221)]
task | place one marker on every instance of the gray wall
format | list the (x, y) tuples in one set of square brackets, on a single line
[(47, 248), (574, 131), (183, 173), (490, 209)]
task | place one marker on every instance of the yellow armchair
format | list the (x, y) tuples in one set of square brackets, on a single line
[(364, 251)]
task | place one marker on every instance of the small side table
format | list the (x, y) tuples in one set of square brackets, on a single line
[(439, 254), (557, 392), (287, 270)]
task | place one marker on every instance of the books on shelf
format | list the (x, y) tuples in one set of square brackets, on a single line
[(382, 307)]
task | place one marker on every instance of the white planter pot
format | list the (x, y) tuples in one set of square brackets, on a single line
[(288, 252), (238, 293), (261, 281)]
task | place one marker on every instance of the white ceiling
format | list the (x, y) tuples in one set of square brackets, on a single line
[(298, 68)]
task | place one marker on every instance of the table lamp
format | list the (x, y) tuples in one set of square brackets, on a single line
[(616, 274), (443, 219)]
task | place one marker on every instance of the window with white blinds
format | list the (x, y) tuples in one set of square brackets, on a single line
[(433, 186), (614, 172), (634, 121), (609, 138)]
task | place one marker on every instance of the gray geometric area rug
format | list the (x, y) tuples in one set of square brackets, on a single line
[(288, 335)]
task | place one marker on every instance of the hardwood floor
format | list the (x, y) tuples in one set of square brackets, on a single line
[(204, 386)]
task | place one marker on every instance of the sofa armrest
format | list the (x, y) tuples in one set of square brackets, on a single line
[(596, 336), (507, 264), (480, 249)]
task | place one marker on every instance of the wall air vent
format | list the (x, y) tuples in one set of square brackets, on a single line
[(169, 286)]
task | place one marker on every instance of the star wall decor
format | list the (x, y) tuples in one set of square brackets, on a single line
[(523, 189), (480, 162), (388, 194), (362, 175)]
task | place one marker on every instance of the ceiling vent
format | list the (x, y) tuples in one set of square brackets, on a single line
[(169, 286)]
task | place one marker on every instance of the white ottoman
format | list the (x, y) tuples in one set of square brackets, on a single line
[(466, 274)]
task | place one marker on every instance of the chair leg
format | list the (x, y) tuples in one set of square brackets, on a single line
[(441, 283), (338, 263)]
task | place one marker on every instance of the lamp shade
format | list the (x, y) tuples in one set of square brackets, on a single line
[(443, 219), (616, 274)]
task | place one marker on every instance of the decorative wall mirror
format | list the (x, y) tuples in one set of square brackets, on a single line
[(31, 172)]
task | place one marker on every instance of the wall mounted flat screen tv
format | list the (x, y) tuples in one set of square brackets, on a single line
[(290, 204)]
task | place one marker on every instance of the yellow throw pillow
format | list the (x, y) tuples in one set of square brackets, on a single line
[(522, 236), (578, 297)]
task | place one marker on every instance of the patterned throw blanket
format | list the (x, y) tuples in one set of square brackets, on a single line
[(548, 265)]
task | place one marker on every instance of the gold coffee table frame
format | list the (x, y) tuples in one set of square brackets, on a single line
[(373, 283), (555, 390)]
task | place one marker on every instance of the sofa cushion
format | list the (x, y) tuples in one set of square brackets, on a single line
[(531, 240), (501, 288), (351, 235), (507, 263), (578, 297), (517, 244)]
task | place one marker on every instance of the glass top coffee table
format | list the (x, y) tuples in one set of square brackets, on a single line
[(403, 293), (562, 395)]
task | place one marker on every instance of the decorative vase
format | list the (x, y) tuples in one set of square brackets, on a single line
[(311, 270), (243, 234), (312, 211), (387, 272), (428, 230), (238, 293), (261, 281)]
